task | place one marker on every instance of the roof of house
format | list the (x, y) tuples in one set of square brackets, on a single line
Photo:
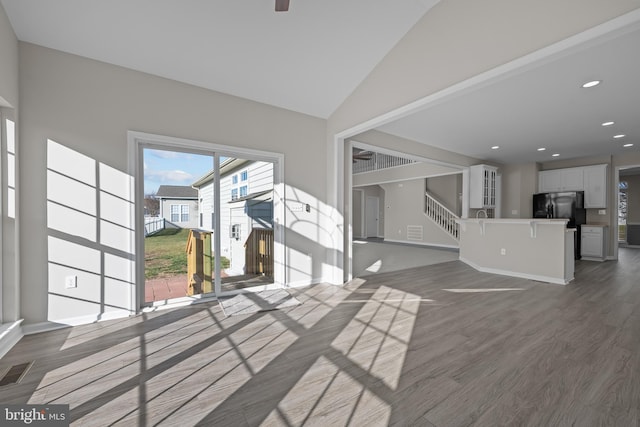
[(226, 166), (177, 192)]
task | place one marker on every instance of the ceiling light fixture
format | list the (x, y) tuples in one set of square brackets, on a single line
[(592, 83), (555, 155), (619, 136), (495, 147), (541, 149), (607, 123), (628, 145)]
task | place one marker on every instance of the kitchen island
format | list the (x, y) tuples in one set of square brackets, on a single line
[(537, 249)]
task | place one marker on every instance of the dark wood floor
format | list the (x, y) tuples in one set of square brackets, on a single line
[(441, 345)]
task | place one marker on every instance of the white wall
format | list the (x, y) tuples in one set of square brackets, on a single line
[(88, 107), (404, 206)]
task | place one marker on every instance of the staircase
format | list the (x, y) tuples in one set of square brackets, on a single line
[(443, 217)]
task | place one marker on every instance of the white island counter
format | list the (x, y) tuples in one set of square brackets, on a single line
[(537, 249)]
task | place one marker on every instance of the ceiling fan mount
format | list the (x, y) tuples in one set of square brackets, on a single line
[(282, 5)]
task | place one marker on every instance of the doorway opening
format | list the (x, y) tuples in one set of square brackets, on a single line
[(622, 211), (171, 213), (219, 217)]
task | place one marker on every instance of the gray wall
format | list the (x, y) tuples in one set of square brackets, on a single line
[(9, 269), (87, 107), (404, 205), (519, 184), (448, 190)]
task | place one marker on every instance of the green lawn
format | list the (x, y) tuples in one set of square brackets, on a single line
[(165, 253)]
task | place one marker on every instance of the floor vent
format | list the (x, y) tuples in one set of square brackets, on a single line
[(15, 374)]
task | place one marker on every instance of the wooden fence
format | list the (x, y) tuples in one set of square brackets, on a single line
[(258, 251)]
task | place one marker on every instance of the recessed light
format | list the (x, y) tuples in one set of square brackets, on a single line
[(555, 155), (495, 147), (607, 123), (541, 149), (628, 145), (592, 83), (619, 136)]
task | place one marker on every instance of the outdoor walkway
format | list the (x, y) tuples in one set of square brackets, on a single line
[(164, 288)]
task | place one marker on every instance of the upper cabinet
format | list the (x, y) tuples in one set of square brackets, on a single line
[(595, 186), (571, 179), (590, 179), (482, 186)]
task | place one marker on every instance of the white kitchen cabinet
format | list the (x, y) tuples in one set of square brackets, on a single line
[(593, 240), (570, 179), (482, 186), (595, 186)]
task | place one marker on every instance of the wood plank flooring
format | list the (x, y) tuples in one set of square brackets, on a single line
[(441, 345)]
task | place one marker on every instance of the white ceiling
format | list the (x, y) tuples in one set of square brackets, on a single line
[(307, 60), (543, 105), (311, 58)]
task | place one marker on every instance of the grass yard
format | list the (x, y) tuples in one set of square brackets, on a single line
[(165, 253)]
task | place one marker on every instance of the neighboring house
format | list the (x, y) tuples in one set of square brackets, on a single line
[(179, 205), (246, 193)]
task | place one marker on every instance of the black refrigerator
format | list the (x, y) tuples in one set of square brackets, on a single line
[(565, 204)]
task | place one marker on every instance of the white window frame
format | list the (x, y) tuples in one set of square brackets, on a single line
[(138, 141), (176, 208)]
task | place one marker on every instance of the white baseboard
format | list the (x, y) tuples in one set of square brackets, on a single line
[(10, 334), (36, 328), (538, 278), (586, 258), (302, 283), (411, 242)]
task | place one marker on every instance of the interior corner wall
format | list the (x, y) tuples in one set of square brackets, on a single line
[(87, 107), (9, 99)]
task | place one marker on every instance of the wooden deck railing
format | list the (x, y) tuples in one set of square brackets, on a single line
[(259, 252)]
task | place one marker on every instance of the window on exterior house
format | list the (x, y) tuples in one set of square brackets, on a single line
[(244, 175), (235, 231), (184, 213), (175, 213), (234, 194), (201, 219), (234, 179), (243, 191)]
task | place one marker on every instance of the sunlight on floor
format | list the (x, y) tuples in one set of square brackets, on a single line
[(320, 394), (383, 326), (375, 267)]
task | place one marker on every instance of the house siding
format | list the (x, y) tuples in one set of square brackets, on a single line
[(247, 214)]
